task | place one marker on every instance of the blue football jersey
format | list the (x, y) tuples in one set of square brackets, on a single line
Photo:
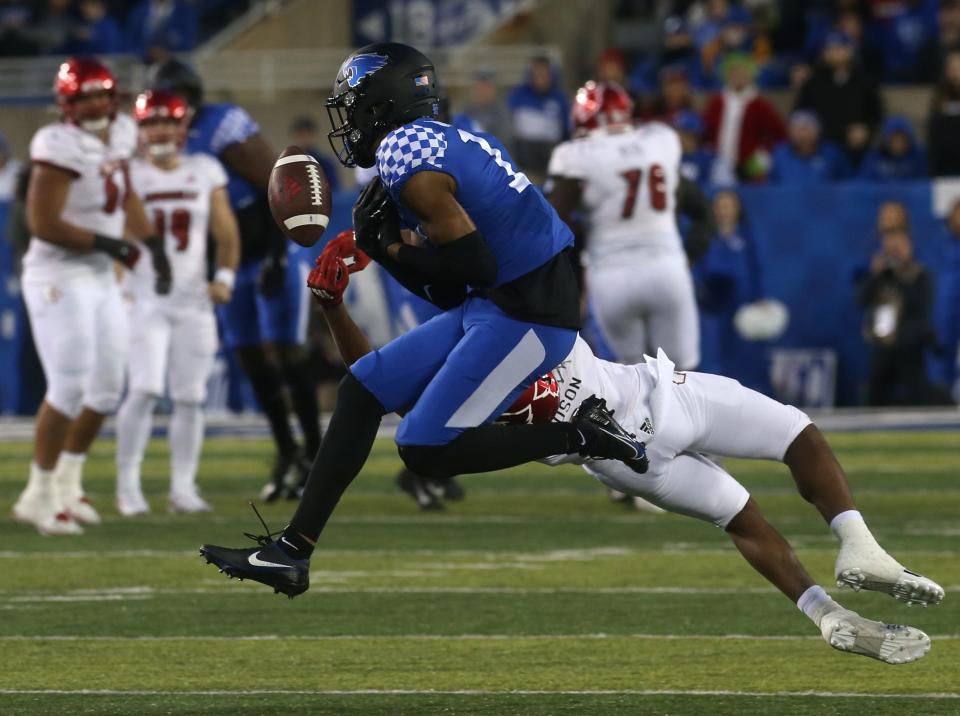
[(521, 228), (214, 128)]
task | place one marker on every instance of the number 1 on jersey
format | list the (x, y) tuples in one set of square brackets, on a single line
[(658, 189)]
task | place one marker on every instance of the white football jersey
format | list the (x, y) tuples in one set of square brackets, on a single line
[(639, 395), (178, 203), (96, 195), (629, 177)]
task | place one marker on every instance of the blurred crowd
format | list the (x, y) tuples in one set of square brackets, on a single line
[(153, 29)]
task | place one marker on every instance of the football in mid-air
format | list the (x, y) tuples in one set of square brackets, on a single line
[(299, 196)]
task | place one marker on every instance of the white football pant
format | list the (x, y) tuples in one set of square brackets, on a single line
[(647, 303)]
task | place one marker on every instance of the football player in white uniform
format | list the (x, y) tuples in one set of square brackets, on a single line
[(627, 178), (79, 208), (681, 416), (174, 337)]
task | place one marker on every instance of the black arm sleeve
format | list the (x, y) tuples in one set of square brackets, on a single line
[(466, 260), (443, 294), (693, 203)]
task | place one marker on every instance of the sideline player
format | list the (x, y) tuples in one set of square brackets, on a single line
[(627, 178), (265, 322), (173, 338), (683, 415), (488, 229), (79, 207)]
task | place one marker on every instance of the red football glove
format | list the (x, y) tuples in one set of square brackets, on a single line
[(328, 280), (344, 246)]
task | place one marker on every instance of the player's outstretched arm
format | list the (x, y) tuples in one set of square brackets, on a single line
[(226, 236), (252, 159)]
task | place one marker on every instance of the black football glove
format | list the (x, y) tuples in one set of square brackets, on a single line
[(125, 252), (273, 274), (376, 222), (161, 265)]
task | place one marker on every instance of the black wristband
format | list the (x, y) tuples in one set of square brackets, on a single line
[(153, 243), (115, 248)]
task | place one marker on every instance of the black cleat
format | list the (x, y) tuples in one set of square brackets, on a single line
[(447, 488), (419, 488), (266, 563), (603, 437), (302, 470)]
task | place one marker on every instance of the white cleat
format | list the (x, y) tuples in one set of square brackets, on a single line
[(876, 571), (132, 504), (82, 510), (37, 508), (845, 630), (60, 524), (188, 503)]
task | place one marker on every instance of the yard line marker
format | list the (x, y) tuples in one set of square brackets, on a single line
[(483, 692)]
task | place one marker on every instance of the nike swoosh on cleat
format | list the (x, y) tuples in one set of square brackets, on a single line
[(257, 562), (284, 539)]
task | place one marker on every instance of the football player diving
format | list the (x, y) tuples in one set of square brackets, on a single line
[(495, 257), (682, 416)]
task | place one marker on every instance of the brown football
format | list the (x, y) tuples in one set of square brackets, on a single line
[(299, 196)]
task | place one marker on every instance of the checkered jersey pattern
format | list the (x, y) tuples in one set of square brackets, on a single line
[(406, 148)]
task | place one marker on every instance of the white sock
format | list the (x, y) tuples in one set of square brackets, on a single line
[(186, 439), (815, 602), (40, 480), (134, 421), (69, 476), (850, 528)]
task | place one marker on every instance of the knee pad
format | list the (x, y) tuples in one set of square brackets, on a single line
[(65, 393)]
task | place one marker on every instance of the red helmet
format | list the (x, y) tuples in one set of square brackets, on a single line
[(159, 104), (536, 405), (600, 104), (79, 76)]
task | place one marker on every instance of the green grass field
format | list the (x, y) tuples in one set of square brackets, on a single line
[(533, 596)]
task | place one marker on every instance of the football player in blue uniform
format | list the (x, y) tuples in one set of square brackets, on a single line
[(493, 254), (265, 322)]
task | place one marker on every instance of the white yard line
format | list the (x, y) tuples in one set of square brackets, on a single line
[(483, 692), (423, 637)]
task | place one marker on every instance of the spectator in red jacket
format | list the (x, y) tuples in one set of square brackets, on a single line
[(742, 125)]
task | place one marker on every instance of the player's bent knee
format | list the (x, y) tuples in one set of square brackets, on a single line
[(799, 422), (426, 460)]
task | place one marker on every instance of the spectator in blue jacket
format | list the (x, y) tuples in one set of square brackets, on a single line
[(540, 113), (897, 156), (96, 33), (726, 278), (947, 307), (698, 161), (157, 28), (804, 158)]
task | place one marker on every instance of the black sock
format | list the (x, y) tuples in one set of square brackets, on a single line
[(492, 447), (267, 385), (343, 451), (303, 395)]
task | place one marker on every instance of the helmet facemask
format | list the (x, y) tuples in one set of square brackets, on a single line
[(357, 125)]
